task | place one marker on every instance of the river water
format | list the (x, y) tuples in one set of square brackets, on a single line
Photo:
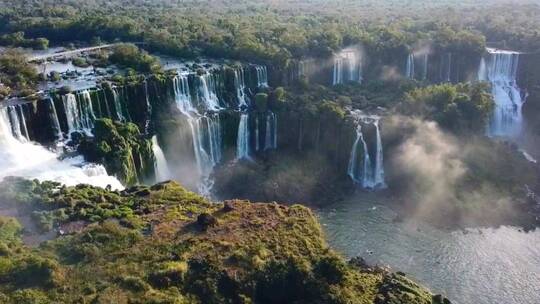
[(475, 266)]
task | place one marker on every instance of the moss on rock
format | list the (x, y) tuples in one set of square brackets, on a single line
[(122, 149), (148, 247)]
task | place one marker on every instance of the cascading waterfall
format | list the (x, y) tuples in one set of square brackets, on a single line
[(242, 140), (79, 112), (361, 169), (18, 123), (182, 94), (205, 131), (500, 69), (338, 67), (148, 108), (207, 95), (262, 76), (347, 67), (425, 66), (29, 160), (53, 117), (270, 140), (72, 112), (118, 105), (240, 86), (206, 135), (409, 69), (161, 168), (86, 111)]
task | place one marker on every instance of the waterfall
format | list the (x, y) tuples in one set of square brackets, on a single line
[(118, 105), (262, 76), (347, 67), (338, 67), (379, 159), (206, 135), (148, 108), (182, 94), (72, 112), (205, 129), (29, 160), (86, 111), (257, 139), (409, 69), (500, 69), (242, 140), (425, 66), (270, 140), (240, 86), (161, 169), (361, 168), (17, 121), (79, 112), (207, 95), (53, 117)]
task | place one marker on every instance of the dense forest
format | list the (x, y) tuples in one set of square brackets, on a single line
[(138, 136), (279, 31)]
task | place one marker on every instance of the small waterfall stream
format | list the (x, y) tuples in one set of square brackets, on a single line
[(262, 76), (362, 169), (409, 68), (161, 168), (242, 141)]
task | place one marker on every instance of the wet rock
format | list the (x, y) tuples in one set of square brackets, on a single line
[(228, 206), (439, 299), (206, 220)]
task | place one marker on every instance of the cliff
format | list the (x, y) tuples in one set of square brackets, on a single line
[(164, 244)]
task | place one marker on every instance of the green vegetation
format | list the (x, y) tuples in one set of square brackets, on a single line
[(130, 56), (16, 74), (17, 40), (459, 108), (168, 245), (122, 149)]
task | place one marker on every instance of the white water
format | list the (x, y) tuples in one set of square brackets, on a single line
[(262, 76), (182, 94), (53, 116), (79, 112), (17, 120), (242, 140), (161, 168), (270, 139), (205, 129), (409, 69), (500, 69), (118, 105), (207, 92), (425, 66), (30, 160), (240, 86), (347, 67), (257, 139), (361, 168)]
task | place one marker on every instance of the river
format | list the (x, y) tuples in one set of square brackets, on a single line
[(475, 266)]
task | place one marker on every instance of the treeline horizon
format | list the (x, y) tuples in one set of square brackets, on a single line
[(278, 31)]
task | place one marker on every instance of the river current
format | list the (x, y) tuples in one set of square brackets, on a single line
[(473, 266)]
